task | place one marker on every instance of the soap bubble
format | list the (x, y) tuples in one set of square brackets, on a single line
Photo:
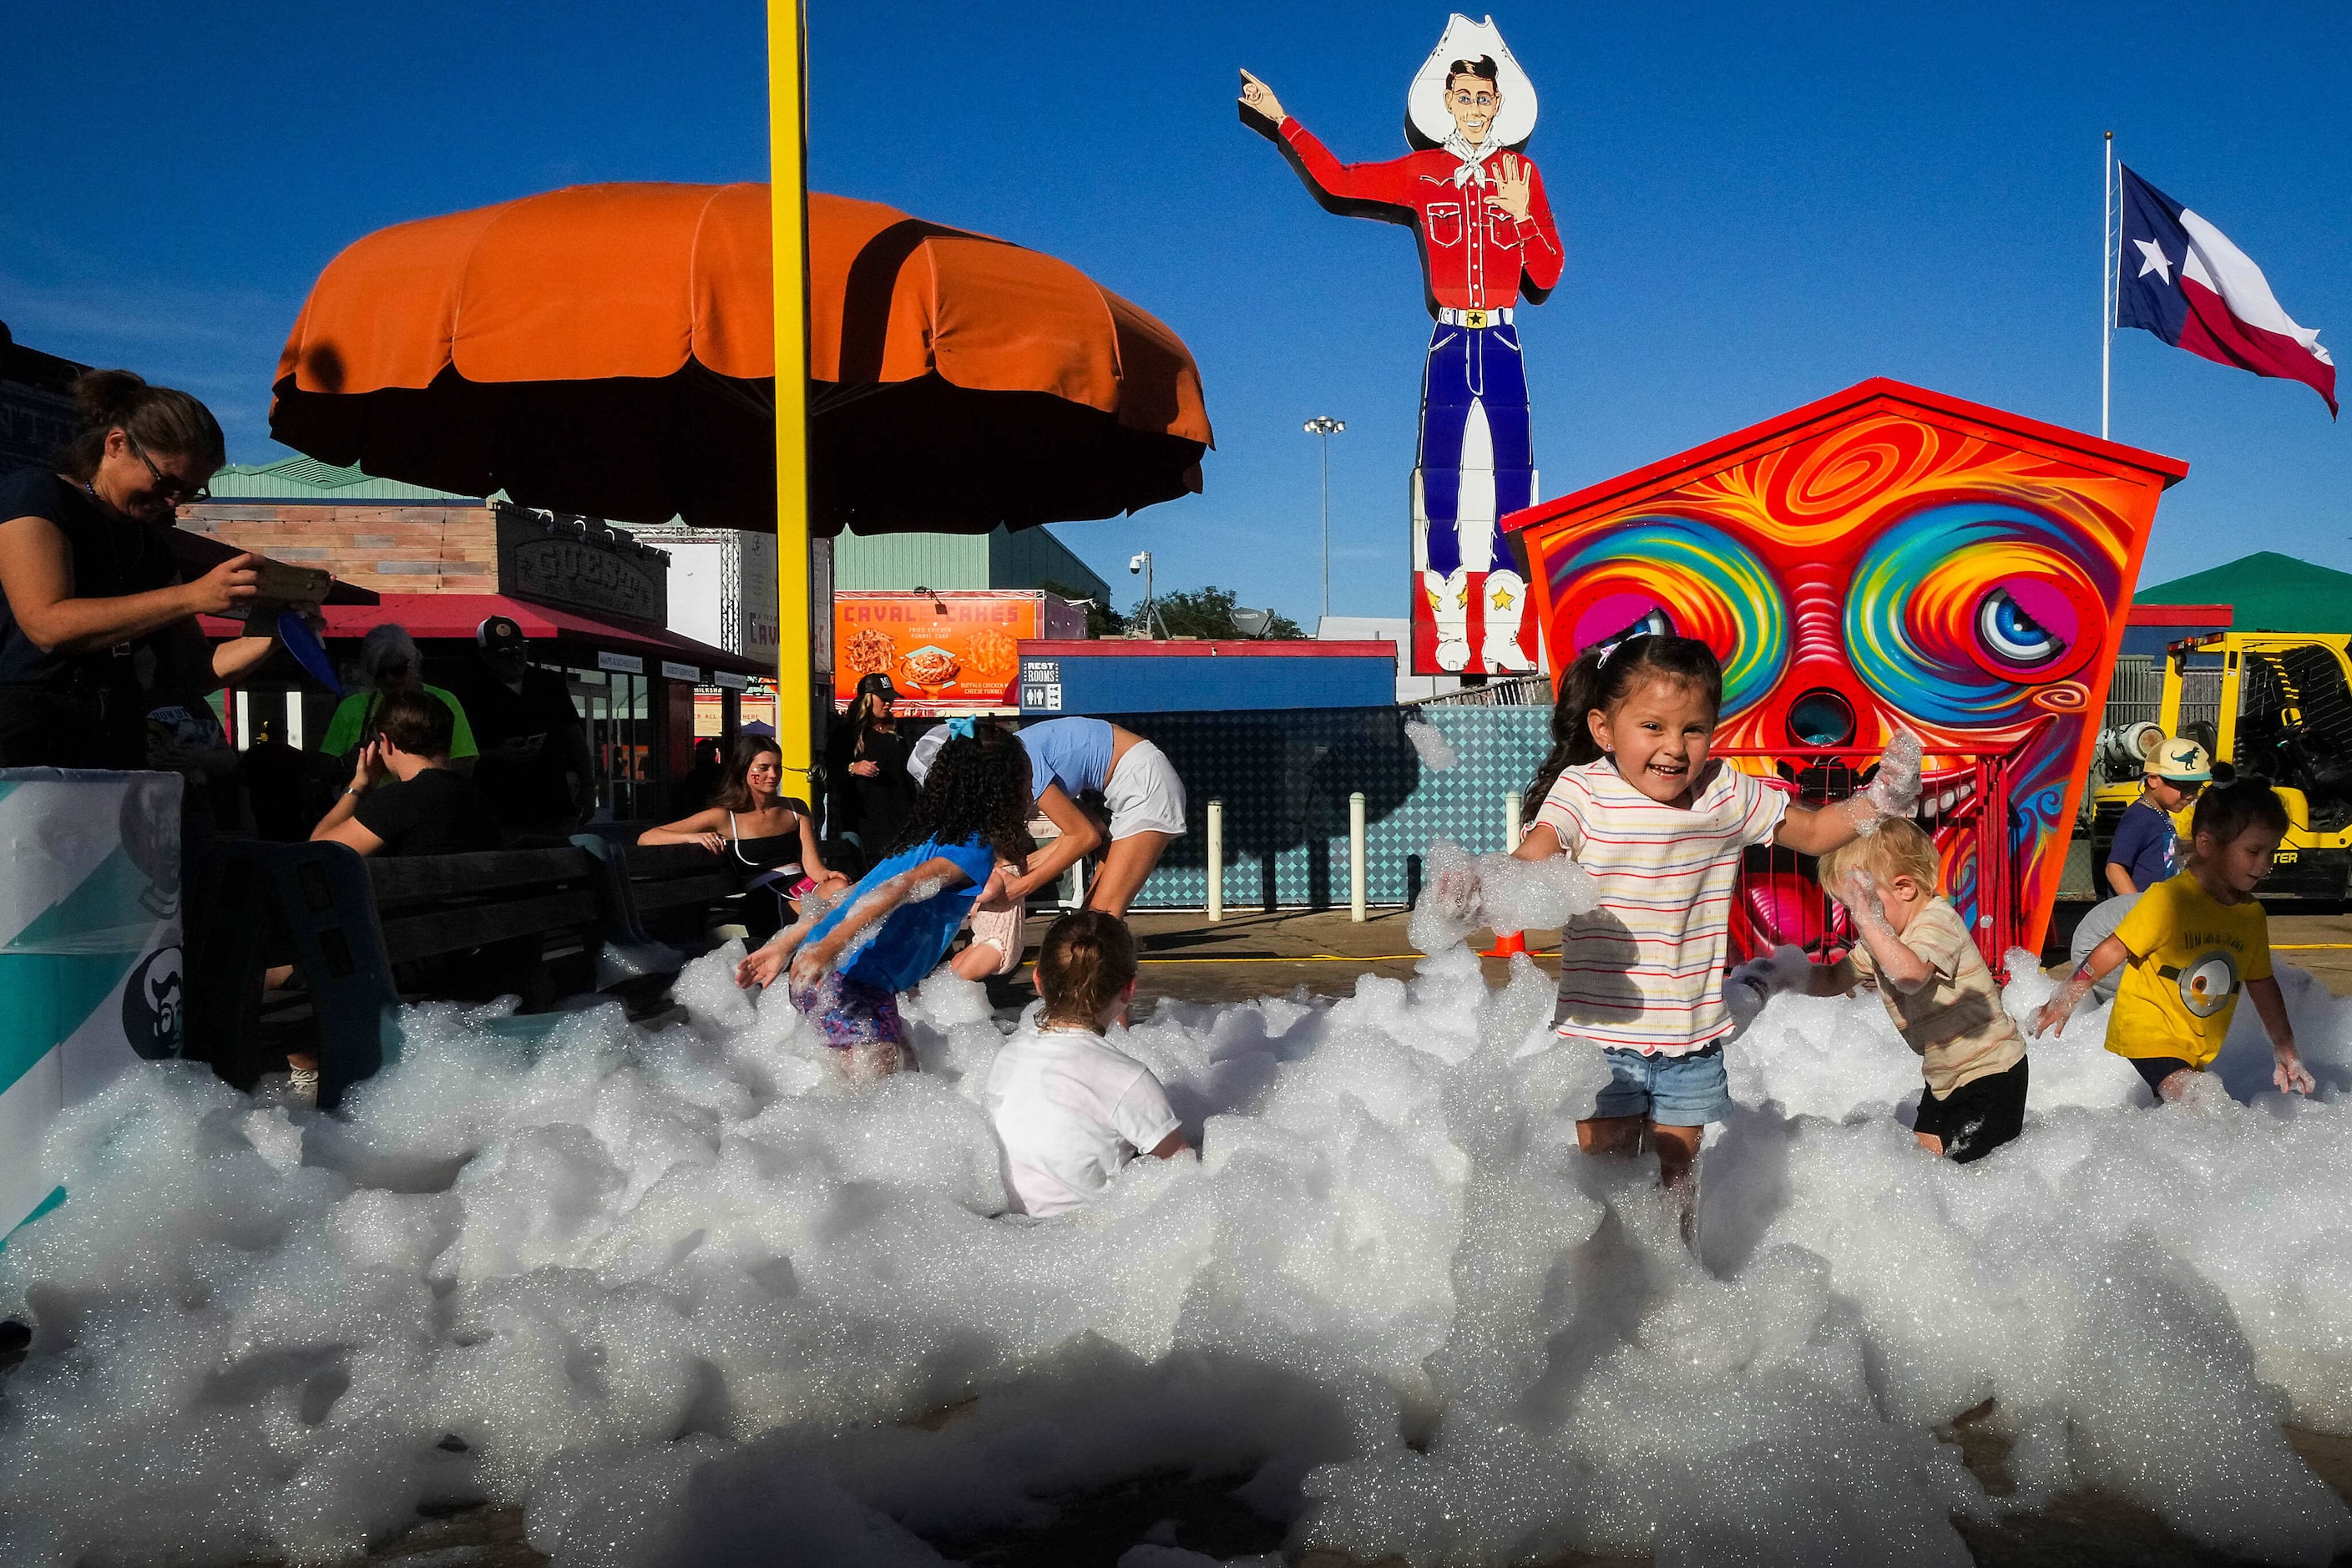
[(1437, 752)]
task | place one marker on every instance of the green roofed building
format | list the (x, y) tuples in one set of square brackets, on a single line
[(2268, 592), (1032, 558), (296, 479)]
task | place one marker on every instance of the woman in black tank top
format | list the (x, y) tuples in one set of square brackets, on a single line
[(767, 835)]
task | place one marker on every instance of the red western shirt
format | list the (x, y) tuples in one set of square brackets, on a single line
[(1474, 256)]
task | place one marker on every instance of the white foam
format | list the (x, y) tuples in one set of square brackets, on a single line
[(1436, 752), (1495, 892), (680, 1293)]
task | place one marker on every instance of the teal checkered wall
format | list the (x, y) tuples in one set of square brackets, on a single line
[(1285, 776)]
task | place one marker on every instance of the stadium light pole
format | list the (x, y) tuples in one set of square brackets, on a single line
[(1325, 426)]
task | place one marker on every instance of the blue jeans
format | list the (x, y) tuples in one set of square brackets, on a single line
[(1687, 1090), (1466, 366)]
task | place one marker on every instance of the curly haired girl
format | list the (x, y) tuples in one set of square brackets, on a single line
[(895, 925)]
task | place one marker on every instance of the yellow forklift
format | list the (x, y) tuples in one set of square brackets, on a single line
[(2271, 705)]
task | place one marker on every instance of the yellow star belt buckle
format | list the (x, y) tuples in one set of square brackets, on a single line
[(1474, 318)]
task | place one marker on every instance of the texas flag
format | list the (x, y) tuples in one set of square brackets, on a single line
[(2182, 280)]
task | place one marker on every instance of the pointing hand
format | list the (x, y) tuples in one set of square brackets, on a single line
[(1258, 99)]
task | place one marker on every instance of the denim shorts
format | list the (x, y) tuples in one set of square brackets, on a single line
[(1687, 1090)]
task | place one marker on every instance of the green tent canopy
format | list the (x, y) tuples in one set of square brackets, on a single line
[(2269, 593)]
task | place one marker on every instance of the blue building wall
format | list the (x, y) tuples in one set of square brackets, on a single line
[(1285, 777), (1109, 682), (2154, 640)]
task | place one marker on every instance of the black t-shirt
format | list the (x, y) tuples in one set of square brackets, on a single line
[(873, 809), (435, 813), (530, 788), (275, 778), (111, 557)]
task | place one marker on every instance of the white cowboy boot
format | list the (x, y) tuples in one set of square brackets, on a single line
[(1505, 598), (1449, 605)]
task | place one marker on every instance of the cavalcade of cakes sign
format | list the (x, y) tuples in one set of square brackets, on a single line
[(955, 651), (577, 563)]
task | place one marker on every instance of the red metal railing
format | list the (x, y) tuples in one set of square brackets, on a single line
[(1780, 897)]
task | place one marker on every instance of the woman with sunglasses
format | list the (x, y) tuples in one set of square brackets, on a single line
[(95, 621)]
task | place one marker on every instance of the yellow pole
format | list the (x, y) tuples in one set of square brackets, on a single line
[(788, 219)]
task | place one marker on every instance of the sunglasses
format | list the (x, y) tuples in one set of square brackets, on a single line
[(171, 486)]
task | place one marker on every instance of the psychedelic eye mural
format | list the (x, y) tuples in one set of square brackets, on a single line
[(2010, 635), (1678, 575), (1887, 559), (1964, 614)]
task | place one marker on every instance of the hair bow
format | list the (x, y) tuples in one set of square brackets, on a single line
[(959, 728)]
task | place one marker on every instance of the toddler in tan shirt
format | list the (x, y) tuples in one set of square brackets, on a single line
[(1934, 982)]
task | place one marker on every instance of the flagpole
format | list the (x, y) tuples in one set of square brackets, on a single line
[(2107, 280)]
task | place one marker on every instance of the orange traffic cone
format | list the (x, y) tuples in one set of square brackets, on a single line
[(1508, 943)]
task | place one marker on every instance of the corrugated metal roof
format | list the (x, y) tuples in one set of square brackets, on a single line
[(1036, 556), (904, 561), (1003, 559), (309, 480)]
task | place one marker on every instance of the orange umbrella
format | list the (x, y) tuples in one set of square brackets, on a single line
[(609, 350)]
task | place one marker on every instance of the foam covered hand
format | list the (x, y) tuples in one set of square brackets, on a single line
[(813, 962), (1896, 791), (2291, 1075), (1860, 896), (1459, 894), (1747, 987), (759, 969), (2050, 1017)]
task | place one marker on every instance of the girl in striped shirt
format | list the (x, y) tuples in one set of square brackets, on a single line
[(1630, 793)]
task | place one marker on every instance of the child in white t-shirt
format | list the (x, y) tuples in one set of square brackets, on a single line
[(1068, 1109)]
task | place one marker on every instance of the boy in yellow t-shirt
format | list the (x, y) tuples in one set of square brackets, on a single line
[(2193, 942)]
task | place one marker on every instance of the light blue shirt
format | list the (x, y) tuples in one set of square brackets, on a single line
[(1072, 752)]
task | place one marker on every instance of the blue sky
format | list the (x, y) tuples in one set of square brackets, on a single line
[(1760, 205)]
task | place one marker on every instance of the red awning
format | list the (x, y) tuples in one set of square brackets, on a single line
[(453, 615)]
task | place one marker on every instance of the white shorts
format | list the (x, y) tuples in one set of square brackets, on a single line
[(1144, 795)]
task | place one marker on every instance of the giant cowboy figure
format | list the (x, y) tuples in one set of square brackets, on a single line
[(1487, 237)]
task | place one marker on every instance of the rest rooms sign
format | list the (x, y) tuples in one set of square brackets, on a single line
[(587, 574), (1040, 684)]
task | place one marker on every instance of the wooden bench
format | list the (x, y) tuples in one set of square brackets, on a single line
[(530, 921), (366, 935), (667, 889)]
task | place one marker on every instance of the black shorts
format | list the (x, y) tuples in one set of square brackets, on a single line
[(1978, 1117), (2156, 1069)]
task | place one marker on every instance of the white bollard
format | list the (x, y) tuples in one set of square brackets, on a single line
[(1216, 860), (1511, 830), (1356, 856)]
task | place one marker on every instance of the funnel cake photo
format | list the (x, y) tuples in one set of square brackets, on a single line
[(992, 655), (870, 652), (931, 665)]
